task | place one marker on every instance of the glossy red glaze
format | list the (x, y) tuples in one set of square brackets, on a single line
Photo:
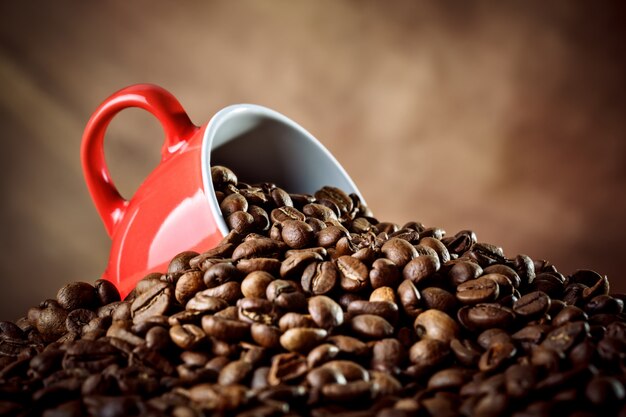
[(154, 225)]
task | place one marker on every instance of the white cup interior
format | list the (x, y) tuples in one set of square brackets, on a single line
[(262, 145)]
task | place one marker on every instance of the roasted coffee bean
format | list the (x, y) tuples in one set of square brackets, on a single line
[(321, 354), (77, 295), (78, 318), (461, 271), (370, 326), (326, 313), (429, 353), (256, 310), (496, 356), (341, 199), (604, 304), (204, 303), (187, 336), (532, 305), (319, 278), (421, 268), (319, 211), (294, 265), (475, 291), (410, 298), (188, 285), (302, 339), (329, 236), (233, 203), (398, 251), (437, 325), (229, 291), (353, 274), (297, 234), (322, 376), (284, 213), (466, 352), (385, 309), (155, 301), (351, 391), (484, 316), (225, 329), (50, 320), (384, 273), (222, 176), (438, 298), (563, 338), (106, 292)]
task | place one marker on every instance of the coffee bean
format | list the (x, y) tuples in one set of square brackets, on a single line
[(329, 236), (180, 262), (384, 273), (294, 265), (229, 291), (429, 353), (319, 278), (284, 213), (255, 284), (341, 199), (353, 273), (319, 211), (234, 373), (438, 298), (286, 367), (398, 251), (410, 298), (188, 285), (77, 295), (352, 391), (484, 316), (233, 203), (187, 336), (466, 352), (106, 292), (297, 234), (222, 176), (532, 305), (370, 326), (326, 313), (564, 337), (302, 339), (475, 291), (225, 329), (155, 301), (321, 354), (497, 355), (421, 268), (78, 318), (462, 271), (437, 325)]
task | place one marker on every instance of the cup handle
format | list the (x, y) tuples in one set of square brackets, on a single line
[(164, 106)]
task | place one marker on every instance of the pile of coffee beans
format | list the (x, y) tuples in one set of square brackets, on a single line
[(310, 306)]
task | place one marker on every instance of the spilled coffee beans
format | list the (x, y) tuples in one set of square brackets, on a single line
[(311, 306)]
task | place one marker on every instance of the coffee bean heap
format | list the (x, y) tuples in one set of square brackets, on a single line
[(311, 306)]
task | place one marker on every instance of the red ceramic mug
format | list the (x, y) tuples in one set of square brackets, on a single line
[(175, 209)]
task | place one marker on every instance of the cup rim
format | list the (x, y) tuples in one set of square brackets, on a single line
[(235, 110)]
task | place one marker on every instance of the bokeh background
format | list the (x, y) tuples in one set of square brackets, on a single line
[(508, 118)]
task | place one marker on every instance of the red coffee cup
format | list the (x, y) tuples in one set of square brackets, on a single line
[(175, 209)]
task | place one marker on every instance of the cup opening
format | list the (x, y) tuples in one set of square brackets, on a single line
[(261, 145)]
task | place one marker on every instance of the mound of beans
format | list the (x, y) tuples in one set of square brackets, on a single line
[(311, 306)]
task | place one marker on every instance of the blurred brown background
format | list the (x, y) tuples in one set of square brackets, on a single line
[(508, 118)]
